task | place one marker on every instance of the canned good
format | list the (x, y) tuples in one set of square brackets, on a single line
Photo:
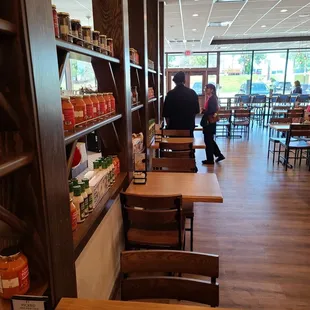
[(64, 22), (110, 47), (103, 44), (96, 35), (76, 29), (55, 20), (86, 31)]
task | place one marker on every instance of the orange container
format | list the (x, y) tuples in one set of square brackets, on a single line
[(101, 100), (89, 107), (108, 102), (67, 113), (96, 105), (79, 108), (14, 273), (112, 102)]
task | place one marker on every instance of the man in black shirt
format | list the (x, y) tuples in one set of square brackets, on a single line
[(181, 105)]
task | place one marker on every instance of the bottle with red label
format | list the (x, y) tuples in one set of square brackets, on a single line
[(67, 113), (74, 215), (79, 109), (112, 102), (96, 105), (89, 107), (101, 103), (108, 102), (14, 273)]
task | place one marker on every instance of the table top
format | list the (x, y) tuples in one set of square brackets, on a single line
[(194, 187), (280, 127), (198, 142), (86, 304)]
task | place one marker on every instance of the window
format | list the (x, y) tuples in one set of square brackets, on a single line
[(182, 61), (298, 69), (195, 83), (212, 60), (235, 73), (268, 72)]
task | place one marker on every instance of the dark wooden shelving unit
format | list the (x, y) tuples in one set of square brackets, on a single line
[(7, 27), (13, 163), (152, 71), (79, 132), (137, 107), (152, 100), (136, 66)]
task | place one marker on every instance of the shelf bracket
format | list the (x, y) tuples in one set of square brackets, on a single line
[(116, 136), (70, 159), (63, 57), (114, 82)]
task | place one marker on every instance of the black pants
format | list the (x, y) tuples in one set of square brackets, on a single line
[(211, 146)]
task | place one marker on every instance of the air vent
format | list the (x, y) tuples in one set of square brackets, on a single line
[(182, 41), (219, 24)]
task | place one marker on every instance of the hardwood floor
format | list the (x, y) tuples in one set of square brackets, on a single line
[(261, 231)]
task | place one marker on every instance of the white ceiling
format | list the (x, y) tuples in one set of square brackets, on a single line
[(247, 19)]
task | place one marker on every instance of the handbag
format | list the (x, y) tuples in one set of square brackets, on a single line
[(209, 119)]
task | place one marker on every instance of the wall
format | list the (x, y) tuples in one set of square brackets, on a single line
[(97, 267)]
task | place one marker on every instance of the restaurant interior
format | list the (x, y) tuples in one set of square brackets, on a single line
[(102, 206)]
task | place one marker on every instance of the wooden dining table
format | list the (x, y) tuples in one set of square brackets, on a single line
[(198, 142), (194, 187), (280, 127), (87, 304)]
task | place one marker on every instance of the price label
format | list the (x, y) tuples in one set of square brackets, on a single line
[(29, 302)]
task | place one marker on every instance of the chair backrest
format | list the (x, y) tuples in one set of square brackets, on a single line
[(174, 165), (145, 213), (299, 130), (181, 288), (244, 99), (244, 113), (303, 98), (259, 99), (281, 107), (176, 133), (226, 114), (295, 113), (280, 120), (284, 98)]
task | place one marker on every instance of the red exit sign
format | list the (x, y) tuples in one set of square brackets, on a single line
[(188, 53)]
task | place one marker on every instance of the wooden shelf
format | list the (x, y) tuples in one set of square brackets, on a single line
[(152, 100), (152, 71), (85, 230), (71, 136), (84, 51), (35, 290), (12, 163), (135, 66), (7, 27), (160, 96), (137, 107), (160, 74)]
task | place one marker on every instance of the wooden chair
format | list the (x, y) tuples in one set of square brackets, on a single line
[(176, 164), (224, 122), (258, 105), (299, 132), (170, 287), (296, 115), (241, 119), (176, 150), (176, 133), (276, 140), (153, 222)]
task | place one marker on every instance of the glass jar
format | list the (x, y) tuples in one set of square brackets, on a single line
[(108, 102), (14, 273), (101, 100), (110, 47), (86, 31), (96, 105), (76, 29), (74, 215), (89, 107), (103, 44), (137, 58), (96, 35), (67, 113), (132, 55), (112, 102), (135, 96), (79, 109), (55, 20), (64, 21)]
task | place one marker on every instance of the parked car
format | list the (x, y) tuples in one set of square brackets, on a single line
[(197, 87), (278, 87), (305, 88), (257, 88)]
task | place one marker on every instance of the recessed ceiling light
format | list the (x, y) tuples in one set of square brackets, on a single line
[(263, 26), (195, 15), (184, 41), (304, 15), (284, 10), (194, 29), (219, 24)]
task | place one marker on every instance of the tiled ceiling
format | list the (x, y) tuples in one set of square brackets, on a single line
[(249, 19)]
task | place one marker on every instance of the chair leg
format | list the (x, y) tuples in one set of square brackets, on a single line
[(192, 234), (268, 149), (274, 152)]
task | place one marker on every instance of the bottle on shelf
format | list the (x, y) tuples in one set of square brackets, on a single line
[(70, 189), (74, 215), (134, 96), (108, 103), (79, 106), (75, 182), (85, 196), (68, 115), (89, 194), (89, 107), (102, 104), (113, 105), (96, 105), (78, 201)]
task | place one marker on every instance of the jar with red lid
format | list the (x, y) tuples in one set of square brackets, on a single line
[(55, 20), (101, 103), (96, 105), (14, 273), (112, 102), (89, 107), (67, 113), (108, 102), (79, 108)]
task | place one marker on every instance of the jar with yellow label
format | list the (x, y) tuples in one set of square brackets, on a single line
[(14, 273)]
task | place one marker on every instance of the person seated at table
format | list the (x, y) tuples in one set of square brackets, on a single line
[(181, 106), (297, 89), (211, 107)]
